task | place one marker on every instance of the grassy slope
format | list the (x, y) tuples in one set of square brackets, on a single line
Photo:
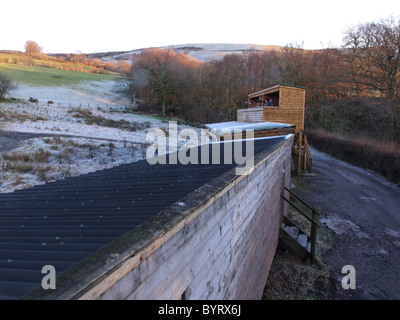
[(39, 76)]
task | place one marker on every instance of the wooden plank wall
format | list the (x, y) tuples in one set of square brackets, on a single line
[(290, 110), (250, 115), (224, 251), (261, 133)]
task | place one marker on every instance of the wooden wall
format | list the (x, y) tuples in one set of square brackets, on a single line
[(250, 115), (226, 251), (290, 110), (220, 247), (261, 133)]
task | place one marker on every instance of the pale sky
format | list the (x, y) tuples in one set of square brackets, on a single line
[(119, 25)]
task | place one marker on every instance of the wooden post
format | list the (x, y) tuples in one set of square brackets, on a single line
[(299, 143), (305, 156), (304, 163), (313, 235)]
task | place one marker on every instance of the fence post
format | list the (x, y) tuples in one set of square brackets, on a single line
[(300, 144), (314, 228)]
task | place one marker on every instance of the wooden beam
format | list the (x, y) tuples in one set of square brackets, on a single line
[(300, 142)]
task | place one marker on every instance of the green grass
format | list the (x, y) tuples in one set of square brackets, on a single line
[(39, 76)]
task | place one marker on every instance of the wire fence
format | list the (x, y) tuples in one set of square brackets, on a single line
[(93, 106)]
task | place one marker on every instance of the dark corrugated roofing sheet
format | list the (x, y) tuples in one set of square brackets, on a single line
[(62, 222)]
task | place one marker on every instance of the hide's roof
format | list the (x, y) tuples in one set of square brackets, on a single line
[(61, 223), (273, 89)]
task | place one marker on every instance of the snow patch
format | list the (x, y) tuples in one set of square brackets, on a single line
[(84, 93), (98, 138), (341, 226)]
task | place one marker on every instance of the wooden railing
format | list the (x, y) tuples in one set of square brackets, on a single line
[(301, 153), (313, 219), (307, 163)]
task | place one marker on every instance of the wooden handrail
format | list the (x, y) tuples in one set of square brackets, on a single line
[(299, 210), (301, 200), (301, 153), (314, 220), (307, 155)]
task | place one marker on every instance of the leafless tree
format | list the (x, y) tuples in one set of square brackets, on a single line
[(293, 64), (130, 85), (32, 47), (374, 52), (152, 65), (6, 85)]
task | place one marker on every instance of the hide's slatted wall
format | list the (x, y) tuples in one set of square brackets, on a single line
[(250, 115), (291, 108)]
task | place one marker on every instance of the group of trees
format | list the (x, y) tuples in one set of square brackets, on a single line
[(34, 56), (362, 74)]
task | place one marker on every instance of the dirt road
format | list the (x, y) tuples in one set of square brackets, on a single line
[(363, 212)]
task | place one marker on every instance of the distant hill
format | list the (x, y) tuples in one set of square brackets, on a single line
[(200, 51)]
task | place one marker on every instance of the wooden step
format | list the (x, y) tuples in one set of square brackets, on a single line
[(302, 240), (292, 230), (295, 238)]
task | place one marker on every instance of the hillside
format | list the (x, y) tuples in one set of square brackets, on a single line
[(200, 51), (41, 76), (70, 62)]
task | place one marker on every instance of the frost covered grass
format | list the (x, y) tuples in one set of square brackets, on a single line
[(41, 160), (91, 123), (89, 118), (98, 138)]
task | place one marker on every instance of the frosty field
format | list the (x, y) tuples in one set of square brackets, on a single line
[(87, 129)]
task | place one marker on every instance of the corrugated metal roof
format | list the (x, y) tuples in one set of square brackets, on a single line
[(62, 222)]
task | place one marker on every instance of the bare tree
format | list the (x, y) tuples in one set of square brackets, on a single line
[(6, 85), (293, 64), (375, 58), (375, 49), (130, 85), (154, 65), (324, 75), (31, 48)]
